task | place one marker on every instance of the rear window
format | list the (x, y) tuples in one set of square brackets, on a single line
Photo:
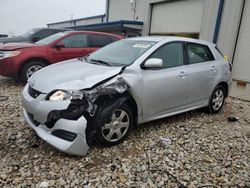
[(98, 41)]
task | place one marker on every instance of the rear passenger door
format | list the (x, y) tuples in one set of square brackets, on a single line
[(201, 71), (97, 41)]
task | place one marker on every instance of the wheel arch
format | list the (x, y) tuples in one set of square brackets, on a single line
[(130, 101), (225, 86), (25, 62)]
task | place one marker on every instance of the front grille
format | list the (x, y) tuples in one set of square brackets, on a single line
[(33, 93), (65, 135)]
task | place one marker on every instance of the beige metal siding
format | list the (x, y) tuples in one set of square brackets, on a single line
[(120, 10), (88, 21), (229, 26), (241, 67), (61, 25), (177, 17), (209, 19)]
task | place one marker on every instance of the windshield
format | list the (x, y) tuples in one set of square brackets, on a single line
[(123, 52), (29, 33), (50, 39)]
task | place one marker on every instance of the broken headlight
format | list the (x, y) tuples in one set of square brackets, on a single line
[(60, 95)]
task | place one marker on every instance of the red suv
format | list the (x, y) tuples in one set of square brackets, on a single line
[(22, 60)]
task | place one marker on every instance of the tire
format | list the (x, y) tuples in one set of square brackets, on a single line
[(111, 132), (216, 100), (30, 68)]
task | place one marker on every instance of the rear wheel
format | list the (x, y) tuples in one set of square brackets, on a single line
[(217, 99), (30, 68), (117, 127)]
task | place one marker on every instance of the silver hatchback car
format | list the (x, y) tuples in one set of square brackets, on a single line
[(98, 99)]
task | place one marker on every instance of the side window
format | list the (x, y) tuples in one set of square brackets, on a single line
[(44, 34), (75, 41), (98, 41), (198, 53), (171, 55)]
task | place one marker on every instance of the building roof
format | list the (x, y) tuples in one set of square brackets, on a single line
[(85, 18), (114, 25)]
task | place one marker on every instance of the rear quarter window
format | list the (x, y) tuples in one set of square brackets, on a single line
[(98, 41), (198, 53)]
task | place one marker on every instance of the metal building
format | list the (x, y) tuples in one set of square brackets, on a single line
[(224, 22)]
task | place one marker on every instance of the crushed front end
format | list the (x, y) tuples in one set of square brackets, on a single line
[(61, 117)]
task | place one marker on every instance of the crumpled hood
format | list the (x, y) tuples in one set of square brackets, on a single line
[(71, 75), (15, 46)]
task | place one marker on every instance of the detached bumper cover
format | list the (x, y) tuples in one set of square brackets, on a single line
[(35, 113)]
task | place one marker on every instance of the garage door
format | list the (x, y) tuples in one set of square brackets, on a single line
[(177, 18), (241, 64)]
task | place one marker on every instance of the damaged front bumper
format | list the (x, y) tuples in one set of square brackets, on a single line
[(66, 135), (63, 123)]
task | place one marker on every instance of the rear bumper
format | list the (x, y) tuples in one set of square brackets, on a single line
[(66, 135)]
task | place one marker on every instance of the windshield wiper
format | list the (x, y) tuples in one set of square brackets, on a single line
[(100, 61), (83, 58)]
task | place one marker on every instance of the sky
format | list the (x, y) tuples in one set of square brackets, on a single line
[(19, 16)]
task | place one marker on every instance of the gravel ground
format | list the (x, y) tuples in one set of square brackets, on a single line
[(192, 149)]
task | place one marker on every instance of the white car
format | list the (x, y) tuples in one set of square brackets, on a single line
[(99, 98)]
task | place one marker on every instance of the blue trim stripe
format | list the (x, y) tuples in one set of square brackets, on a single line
[(218, 21)]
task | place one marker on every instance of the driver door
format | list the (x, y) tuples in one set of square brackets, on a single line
[(165, 89)]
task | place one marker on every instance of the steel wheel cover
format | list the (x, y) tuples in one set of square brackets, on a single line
[(32, 69), (117, 127), (218, 99)]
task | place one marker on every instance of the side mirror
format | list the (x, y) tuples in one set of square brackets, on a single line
[(35, 39), (59, 45), (153, 63)]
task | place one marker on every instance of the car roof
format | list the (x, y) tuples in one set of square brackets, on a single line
[(169, 39), (93, 32)]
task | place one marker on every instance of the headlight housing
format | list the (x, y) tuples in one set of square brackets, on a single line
[(6, 54), (60, 95)]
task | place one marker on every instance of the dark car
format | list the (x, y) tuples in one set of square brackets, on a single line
[(24, 59), (31, 36), (3, 35)]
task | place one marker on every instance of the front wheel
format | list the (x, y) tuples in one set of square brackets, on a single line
[(216, 100), (117, 127), (30, 68)]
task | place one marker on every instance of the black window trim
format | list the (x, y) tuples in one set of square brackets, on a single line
[(171, 42), (187, 56), (219, 51)]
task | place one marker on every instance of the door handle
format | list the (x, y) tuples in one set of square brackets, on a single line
[(213, 68), (182, 74)]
